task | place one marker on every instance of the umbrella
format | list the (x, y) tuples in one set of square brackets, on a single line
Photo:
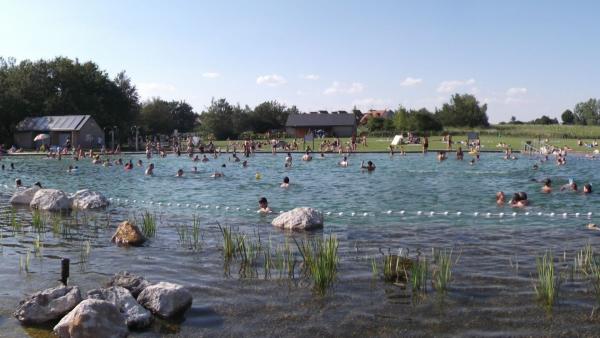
[(41, 137)]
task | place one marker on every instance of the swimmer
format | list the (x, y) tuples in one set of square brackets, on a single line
[(288, 160), (500, 198), (235, 158), (244, 164), (343, 162), (369, 167), (179, 173), (204, 158), (472, 161), (223, 165), (322, 155), (150, 170), (441, 156), (572, 186), (263, 206), (535, 167), (307, 156), (196, 158), (139, 163), (519, 200), (459, 154), (286, 182), (547, 188), (18, 183), (587, 188), (12, 166), (217, 174), (592, 226), (194, 170), (37, 184), (128, 165)]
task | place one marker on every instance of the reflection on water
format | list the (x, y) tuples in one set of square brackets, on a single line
[(491, 291)]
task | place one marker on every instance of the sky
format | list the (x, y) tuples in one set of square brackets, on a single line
[(523, 58)]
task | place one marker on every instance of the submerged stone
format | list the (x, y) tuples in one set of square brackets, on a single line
[(299, 219), (165, 299), (48, 305), (86, 199), (128, 234)]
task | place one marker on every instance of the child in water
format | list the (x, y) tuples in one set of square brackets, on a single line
[(286, 182), (263, 206)]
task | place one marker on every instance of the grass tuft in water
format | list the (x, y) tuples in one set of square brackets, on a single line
[(548, 283), (37, 246), (37, 220), (442, 273), (418, 275), (228, 243), (24, 262), (321, 259), (396, 267), (148, 224), (584, 260)]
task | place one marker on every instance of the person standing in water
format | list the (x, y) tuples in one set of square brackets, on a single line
[(425, 144)]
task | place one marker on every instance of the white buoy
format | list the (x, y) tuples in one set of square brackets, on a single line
[(110, 199), (431, 213), (501, 214), (134, 201), (527, 213), (217, 207), (475, 213), (226, 208), (551, 214), (366, 214), (401, 212), (590, 214), (126, 201), (514, 214), (118, 200), (445, 213), (389, 212), (458, 213), (341, 213), (352, 214), (576, 214), (143, 201), (237, 208), (564, 215), (328, 213), (248, 209), (419, 212), (159, 203), (169, 204), (488, 214), (178, 204), (151, 202), (197, 206), (540, 214)]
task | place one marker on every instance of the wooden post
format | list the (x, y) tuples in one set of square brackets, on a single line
[(64, 271)]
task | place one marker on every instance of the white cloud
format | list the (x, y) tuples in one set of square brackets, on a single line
[(211, 75), (515, 91), (150, 89), (272, 80), (452, 85), (411, 81), (311, 77), (300, 93), (342, 88)]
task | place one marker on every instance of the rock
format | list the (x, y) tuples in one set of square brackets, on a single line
[(47, 305), (23, 196), (92, 318), (135, 284), (299, 219), (136, 316), (50, 199), (86, 199), (165, 299), (128, 234)]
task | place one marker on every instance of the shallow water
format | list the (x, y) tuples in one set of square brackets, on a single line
[(491, 292)]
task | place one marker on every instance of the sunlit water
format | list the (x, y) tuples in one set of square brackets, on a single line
[(491, 292)]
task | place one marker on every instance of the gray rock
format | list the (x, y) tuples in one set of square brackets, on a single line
[(134, 283), (165, 299), (128, 233), (47, 305), (86, 199), (23, 196), (299, 219), (92, 318), (136, 316), (50, 199)]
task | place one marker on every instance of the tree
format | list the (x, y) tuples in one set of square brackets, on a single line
[(567, 117), (269, 115), (463, 111), (588, 112), (545, 120), (420, 121), (155, 117), (218, 119)]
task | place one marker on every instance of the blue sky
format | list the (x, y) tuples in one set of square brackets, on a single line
[(524, 58)]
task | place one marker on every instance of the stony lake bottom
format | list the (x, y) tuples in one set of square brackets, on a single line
[(410, 205)]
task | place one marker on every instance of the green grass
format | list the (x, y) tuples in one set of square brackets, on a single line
[(442, 274), (547, 284), (190, 237), (395, 268), (418, 275), (228, 243), (584, 260), (320, 261), (595, 278), (148, 224), (37, 220)]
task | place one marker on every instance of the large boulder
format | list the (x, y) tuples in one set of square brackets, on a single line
[(50, 199), (299, 219), (86, 199), (24, 196), (136, 316), (92, 318), (48, 305), (128, 234), (134, 283), (165, 300)]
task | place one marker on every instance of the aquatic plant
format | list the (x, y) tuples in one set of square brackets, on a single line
[(84, 255), (15, 223), (37, 246), (320, 260), (37, 220), (55, 223), (418, 275), (374, 268), (547, 284), (442, 273), (584, 259), (595, 278), (228, 243), (396, 267), (148, 224), (196, 235)]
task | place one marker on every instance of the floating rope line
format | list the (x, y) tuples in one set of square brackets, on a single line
[(387, 213)]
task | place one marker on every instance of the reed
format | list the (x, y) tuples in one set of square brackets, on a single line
[(24, 262), (595, 278), (584, 259), (196, 235), (55, 224), (37, 246), (547, 284), (320, 260), (148, 224), (418, 275), (396, 267), (374, 268), (442, 274), (228, 243), (37, 220), (15, 222)]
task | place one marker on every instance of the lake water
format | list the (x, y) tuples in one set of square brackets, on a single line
[(491, 292)]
